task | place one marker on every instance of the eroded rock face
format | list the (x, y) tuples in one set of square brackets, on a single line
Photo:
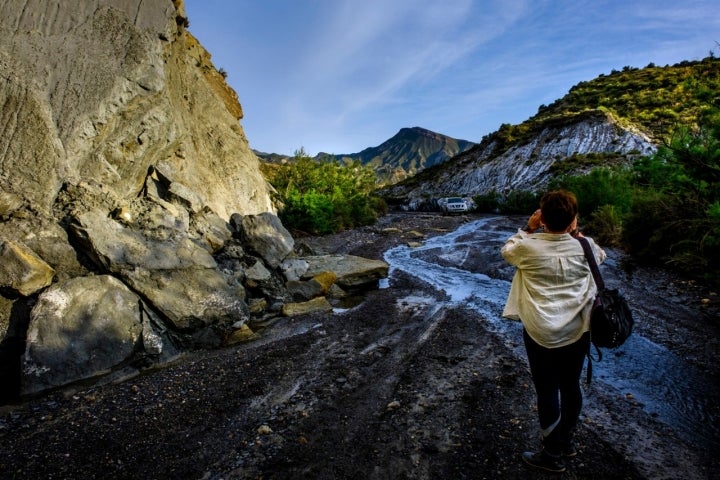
[(102, 90), (122, 162), (528, 166)]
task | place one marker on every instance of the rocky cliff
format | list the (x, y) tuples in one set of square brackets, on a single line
[(134, 220), (101, 90), (527, 165)]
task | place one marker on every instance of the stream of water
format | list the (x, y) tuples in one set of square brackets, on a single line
[(665, 386)]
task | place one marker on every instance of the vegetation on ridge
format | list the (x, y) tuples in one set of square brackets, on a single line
[(663, 209), (654, 99)]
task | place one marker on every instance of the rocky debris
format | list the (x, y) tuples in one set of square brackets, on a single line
[(22, 272), (197, 278), (121, 157), (176, 275)]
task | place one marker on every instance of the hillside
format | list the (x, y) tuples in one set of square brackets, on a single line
[(610, 119), (408, 152)]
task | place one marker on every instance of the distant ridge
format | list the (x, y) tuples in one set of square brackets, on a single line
[(610, 120), (408, 152)]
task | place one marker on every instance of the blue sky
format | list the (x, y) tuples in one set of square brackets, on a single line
[(339, 76)]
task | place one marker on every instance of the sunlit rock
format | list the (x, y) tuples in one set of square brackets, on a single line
[(22, 272)]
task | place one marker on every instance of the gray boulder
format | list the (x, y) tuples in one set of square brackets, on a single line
[(80, 329), (352, 271), (178, 277), (266, 236)]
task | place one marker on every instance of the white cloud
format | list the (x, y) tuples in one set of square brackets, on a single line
[(343, 75)]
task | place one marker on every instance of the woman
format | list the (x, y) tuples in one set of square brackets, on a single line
[(552, 293)]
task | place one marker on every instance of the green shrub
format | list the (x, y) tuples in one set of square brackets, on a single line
[(319, 197), (602, 186), (605, 226), (520, 202), (488, 202), (675, 216)]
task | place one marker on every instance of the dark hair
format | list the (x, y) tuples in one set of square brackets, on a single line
[(559, 209)]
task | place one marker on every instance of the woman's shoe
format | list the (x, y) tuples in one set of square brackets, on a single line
[(544, 461), (569, 451)]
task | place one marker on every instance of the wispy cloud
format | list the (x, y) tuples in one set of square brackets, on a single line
[(342, 75)]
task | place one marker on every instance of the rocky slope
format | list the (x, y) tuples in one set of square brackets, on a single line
[(527, 165), (134, 220)]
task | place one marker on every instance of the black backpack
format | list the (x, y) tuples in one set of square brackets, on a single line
[(611, 320)]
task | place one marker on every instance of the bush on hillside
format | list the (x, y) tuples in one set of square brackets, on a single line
[(601, 186), (487, 202), (676, 211), (520, 202)]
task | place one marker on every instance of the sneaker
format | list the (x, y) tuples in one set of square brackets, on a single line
[(569, 451), (544, 461)]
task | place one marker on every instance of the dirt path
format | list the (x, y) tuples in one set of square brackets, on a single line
[(398, 387)]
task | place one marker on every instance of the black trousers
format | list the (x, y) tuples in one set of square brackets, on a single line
[(556, 376)]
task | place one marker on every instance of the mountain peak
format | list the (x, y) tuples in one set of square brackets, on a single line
[(409, 151)]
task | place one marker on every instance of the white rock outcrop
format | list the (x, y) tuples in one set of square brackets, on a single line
[(527, 166)]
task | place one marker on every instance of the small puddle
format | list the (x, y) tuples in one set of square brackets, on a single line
[(666, 387)]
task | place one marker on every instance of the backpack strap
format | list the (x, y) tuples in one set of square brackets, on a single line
[(590, 257)]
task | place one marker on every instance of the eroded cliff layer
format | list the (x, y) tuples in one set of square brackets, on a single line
[(122, 161), (99, 91)]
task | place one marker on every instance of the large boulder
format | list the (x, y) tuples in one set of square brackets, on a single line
[(265, 235), (79, 329), (352, 272), (177, 276)]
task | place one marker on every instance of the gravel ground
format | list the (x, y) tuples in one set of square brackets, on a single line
[(393, 388)]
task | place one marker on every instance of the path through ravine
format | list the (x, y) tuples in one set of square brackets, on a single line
[(466, 265)]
